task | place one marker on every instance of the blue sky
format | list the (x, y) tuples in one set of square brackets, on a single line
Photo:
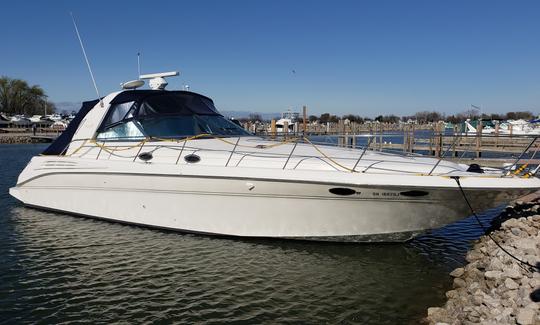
[(360, 57)]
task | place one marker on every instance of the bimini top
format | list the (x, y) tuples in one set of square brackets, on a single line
[(139, 114)]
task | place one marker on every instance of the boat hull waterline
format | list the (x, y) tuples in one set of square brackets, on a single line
[(243, 206)]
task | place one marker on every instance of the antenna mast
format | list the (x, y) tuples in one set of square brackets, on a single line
[(86, 59), (139, 64)]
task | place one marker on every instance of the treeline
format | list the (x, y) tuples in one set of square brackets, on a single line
[(423, 117), (18, 97), (426, 116)]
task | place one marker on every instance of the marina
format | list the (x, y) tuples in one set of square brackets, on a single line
[(270, 163)]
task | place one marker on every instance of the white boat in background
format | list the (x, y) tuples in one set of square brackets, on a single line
[(59, 125), (288, 118), (35, 119), (169, 159), (510, 127), (519, 127), (54, 117), (20, 120)]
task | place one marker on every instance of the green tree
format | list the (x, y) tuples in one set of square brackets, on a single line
[(17, 97), (324, 118), (313, 118)]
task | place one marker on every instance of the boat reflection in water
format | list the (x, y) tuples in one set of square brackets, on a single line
[(60, 268)]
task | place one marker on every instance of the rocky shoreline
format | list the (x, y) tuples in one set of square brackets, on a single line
[(23, 139), (15, 139), (494, 288)]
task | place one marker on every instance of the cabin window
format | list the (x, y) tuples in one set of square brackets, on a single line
[(122, 131), (218, 125), (119, 112), (170, 126)]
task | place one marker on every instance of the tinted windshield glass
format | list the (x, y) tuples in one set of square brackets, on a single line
[(167, 115), (176, 104), (184, 125)]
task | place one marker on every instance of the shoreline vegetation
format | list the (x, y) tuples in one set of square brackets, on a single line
[(18, 97), (494, 288)]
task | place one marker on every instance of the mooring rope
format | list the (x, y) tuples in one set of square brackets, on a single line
[(522, 262)]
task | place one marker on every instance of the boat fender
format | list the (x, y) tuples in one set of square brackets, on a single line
[(475, 168)]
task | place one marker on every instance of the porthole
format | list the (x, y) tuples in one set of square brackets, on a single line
[(342, 191), (146, 156), (192, 158)]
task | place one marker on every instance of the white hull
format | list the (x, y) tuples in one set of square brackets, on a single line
[(236, 204)]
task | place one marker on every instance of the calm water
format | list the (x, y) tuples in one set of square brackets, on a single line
[(57, 268)]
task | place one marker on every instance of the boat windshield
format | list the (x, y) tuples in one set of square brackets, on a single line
[(166, 115)]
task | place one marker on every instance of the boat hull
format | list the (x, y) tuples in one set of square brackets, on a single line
[(245, 207)]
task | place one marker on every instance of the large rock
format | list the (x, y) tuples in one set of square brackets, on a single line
[(525, 243), (495, 265), (457, 272), (516, 231), (510, 284), (473, 256), (510, 223), (513, 273), (493, 275), (434, 311), (452, 294), (459, 283), (526, 316)]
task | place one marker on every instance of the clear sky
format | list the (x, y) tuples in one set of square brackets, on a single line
[(361, 57)]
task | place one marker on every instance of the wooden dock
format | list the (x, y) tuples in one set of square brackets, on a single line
[(493, 150)]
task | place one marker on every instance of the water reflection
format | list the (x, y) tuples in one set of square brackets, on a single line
[(64, 266)]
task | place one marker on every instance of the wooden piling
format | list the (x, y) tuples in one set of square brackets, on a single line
[(273, 129), (479, 139), (304, 113), (497, 126), (406, 138), (431, 137)]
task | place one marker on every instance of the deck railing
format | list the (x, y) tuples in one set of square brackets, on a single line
[(113, 146)]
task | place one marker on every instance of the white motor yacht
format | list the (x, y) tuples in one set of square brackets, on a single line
[(289, 118), (170, 160)]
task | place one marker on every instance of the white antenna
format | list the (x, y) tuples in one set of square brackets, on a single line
[(86, 59), (139, 63)]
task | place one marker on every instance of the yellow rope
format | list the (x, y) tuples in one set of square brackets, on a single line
[(327, 157), (79, 148), (141, 143), (258, 146), (520, 169), (114, 149), (181, 140), (110, 149)]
